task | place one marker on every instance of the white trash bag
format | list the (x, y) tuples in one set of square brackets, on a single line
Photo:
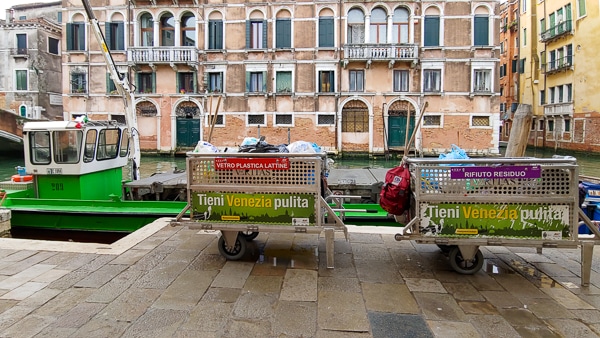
[(204, 147)]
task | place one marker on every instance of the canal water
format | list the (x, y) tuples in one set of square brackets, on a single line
[(589, 163)]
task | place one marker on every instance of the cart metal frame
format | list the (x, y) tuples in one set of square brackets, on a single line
[(490, 187), (250, 193)]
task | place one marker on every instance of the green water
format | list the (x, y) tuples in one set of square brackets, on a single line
[(589, 163)]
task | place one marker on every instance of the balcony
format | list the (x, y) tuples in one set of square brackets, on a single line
[(558, 109), (560, 29), (163, 55), (558, 65), (381, 52), (19, 52)]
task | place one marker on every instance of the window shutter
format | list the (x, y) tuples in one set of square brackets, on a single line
[(481, 30), (432, 31), (138, 81), (264, 37), (331, 82), (69, 36), (219, 34), (108, 35), (264, 82), (248, 46), (283, 33), (326, 32), (108, 80), (247, 82), (178, 81), (81, 36), (154, 82), (195, 82), (120, 36)]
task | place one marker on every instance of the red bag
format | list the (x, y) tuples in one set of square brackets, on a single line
[(395, 193)]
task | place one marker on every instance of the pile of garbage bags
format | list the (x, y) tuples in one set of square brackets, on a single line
[(254, 145)]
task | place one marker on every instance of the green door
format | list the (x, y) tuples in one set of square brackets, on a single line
[(188, 132), (397, 130)]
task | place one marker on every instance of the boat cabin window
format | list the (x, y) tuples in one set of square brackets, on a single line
[(125, 144), (39, 144), (66, 145), (108, 144), (90, 145)]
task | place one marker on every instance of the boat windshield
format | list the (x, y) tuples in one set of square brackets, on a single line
[(66, 145)]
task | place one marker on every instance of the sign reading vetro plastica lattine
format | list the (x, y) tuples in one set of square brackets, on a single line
[(252, 164)]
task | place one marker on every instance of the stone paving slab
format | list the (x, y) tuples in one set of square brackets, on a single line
[(172, 282)]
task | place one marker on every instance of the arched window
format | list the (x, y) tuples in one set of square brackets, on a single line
[(146, 30), (400, 27), (326, 28), (481, 27), (188, 30), (378, 26), (356, 26), (167, 30), (432, 27)]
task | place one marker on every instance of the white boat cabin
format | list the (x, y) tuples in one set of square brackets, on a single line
[(74, 147)]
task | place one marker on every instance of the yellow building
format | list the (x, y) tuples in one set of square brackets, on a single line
[(559, 49), (350, 76)]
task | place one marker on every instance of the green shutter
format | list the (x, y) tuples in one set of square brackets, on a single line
[(432, 31), (138, 81), (283, 33), (108, 35), (178, 80), (219, 35), (247, 82), (154, 82), (69, 36), (481, 31), (326, 32), (81, 36), (120, 36), (248, 46), (264, 82), (264, 36), (331, 81), (108, 80), (195, 82)]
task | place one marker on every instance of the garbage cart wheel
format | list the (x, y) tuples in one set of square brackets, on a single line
[(461, 265), (445, 248), (249, 235), (233, 253)]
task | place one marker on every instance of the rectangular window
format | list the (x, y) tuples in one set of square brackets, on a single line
[(284, 119), (552, 93), (215, 82), (524, 37), (542, 97), (21, 79), (111, 88), (323, 119), (40, 147), (256, 119), (75, 36), (326, 31), (53, 46), (256, 34), (524, 5), (326, 81), (78, 83), (215, 34), (432, 31), (561, 96), (541, 125), (146, 83), (502, 47), (115, 35), (283, 82), (514, 66), (581, 8), (569, 92), (400, 80), (283, 33), (432, 120), (502, 107), (255, 83), (482, 81), (567, 125), (357, 80), (432, 80), (481, 30), (21, 44), (480, 121), (550, 125), (522, 66), (186, 82)]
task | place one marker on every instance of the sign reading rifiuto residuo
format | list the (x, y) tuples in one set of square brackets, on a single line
[(496, 220), (292, 209)]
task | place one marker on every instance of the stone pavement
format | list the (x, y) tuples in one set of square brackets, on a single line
[(168, 281)]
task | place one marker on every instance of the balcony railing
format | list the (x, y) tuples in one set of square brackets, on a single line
[(19, 52), (558, 109), (162, 55), (557, 30), (559, 64), (381, 52)]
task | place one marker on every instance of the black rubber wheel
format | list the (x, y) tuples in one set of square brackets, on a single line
[(463, 266), (249, 235), (235, 253)]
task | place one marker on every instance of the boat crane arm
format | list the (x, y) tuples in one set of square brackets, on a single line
[(124, 88)]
